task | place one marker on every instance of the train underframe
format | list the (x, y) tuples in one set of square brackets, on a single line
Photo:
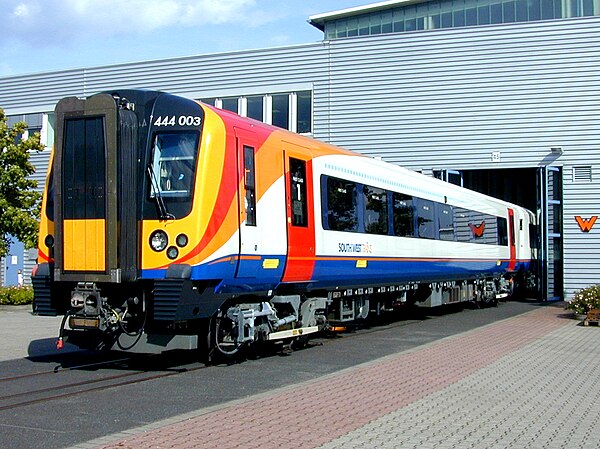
[(154, 316)]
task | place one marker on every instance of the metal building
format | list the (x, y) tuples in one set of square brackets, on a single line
[(499, 96)]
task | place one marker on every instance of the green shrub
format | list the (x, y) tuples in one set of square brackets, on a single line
[(16, 295), (585, 300)]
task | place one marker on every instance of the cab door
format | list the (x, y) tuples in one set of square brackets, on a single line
[(512, 263), (300, 218)]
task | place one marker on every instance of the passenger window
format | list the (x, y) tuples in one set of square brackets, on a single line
[(250, 185), (425, 213), (404, 215), (342, 211), (464, 227), (375, 210), (298, 192), (502, 232), (446, 222)]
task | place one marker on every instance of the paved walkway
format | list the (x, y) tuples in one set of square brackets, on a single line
[(526, 382), (39, 340)]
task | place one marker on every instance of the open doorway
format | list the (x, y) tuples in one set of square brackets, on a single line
[(538, 189)]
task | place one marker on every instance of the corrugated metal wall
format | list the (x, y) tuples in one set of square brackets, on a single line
[(452, 98), (435, 99)]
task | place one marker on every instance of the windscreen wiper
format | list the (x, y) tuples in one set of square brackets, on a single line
[(163, 213)]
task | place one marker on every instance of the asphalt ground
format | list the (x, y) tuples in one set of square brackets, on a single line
[(498, 377)]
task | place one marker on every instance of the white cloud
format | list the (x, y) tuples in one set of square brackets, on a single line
[(49, 21)]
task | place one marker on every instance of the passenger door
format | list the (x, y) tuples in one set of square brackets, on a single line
[(249, 259), (300, 218)]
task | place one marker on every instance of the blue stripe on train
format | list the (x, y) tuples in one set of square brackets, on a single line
[(341, 271), (404, 270)]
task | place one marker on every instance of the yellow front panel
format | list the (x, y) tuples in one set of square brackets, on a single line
[(84, 246)]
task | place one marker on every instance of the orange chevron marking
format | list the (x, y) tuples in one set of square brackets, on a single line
[(586, 224)]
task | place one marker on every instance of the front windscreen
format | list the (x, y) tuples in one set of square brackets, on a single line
[(173, 164)]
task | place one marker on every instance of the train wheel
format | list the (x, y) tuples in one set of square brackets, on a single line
[(223, 336)]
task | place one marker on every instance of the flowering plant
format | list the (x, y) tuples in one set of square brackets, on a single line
[(585, 300)]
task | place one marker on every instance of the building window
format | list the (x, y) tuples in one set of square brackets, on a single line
[(289, 110), (304, 112), (254, 108), (230, 104), (280, 114), (457, 13)]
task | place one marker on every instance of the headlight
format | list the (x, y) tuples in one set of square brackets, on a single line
[(172, 253), (182, 240), (158, 240)]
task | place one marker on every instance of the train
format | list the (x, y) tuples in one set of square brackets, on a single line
[(168, 223)]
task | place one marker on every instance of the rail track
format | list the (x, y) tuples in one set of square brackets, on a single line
[(99, 373), (62, 382)]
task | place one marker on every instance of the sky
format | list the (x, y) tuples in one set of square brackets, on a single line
[(49, 35)]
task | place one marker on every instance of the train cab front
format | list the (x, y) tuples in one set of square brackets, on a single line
[(121, 180)]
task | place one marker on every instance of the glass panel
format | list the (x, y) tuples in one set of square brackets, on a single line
[(281, 110), (547, 9), (304, 112), (342, 213), (363, 26), (446, 222), (352, 27), (341, 28), (375, 23), (588, 7), (574, 7), (386, 22), (375, 210), (50, 196), (173, 163), (496, 13), (84, 168), (476, 227), (508, 9), (249, 185), (521, 7), (254, 107), (471, 16), (534, 10), (434, 22), (210, 101), (404, 215), (298, 192), (459, 18), (447, 20), (502, 232), (330, 31), (230, 104), (558, 8), (425, 219)]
